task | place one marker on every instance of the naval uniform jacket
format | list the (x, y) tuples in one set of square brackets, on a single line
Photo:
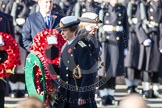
[(77, 53)]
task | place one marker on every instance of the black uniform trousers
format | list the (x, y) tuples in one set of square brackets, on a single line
[(2, 93)]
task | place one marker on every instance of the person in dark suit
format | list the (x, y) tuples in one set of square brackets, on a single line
[(37, 22), (77, 69), (6, 26), (45, 18)]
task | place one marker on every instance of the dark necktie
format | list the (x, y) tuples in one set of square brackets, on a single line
[(47, 20)]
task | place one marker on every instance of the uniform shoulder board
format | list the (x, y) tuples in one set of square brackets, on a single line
[(82, 44)]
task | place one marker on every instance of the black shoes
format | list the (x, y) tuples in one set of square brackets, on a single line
[(151, 94), (133, 89), (17, 93), (13, 94), (108, 100), (156, 94), (147, 94)]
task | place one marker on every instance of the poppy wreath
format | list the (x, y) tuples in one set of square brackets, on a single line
[(37, 75), (13, 55)]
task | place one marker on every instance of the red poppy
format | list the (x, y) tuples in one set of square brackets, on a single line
[(70, 50), (1, 18), (54, 16), (39, 47), (12, 49)]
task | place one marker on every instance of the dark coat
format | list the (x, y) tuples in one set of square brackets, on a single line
[(34, 24), (79, 55), (132, 56), (91, 41), (149, 58), (6, 24), (114, 41)]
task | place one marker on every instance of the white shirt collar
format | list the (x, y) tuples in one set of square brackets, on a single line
[(69, 42)]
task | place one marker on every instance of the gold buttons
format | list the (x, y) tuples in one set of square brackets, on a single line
[(58, 76), (119, 14), (67, 75), (117, 38), (107, 14), (67, 68), (151, 10), (107, 37), (66, 82), (151, 17), (119, 22), (107, 21), (83, 10), (151, 3), (68, 61)]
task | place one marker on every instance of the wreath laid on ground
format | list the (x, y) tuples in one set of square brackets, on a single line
[(39, 81), (13, 55)]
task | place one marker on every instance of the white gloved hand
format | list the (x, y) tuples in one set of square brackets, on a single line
[(160, 50), (147, 42), (88, 28), (20, 21), (125, 51)]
